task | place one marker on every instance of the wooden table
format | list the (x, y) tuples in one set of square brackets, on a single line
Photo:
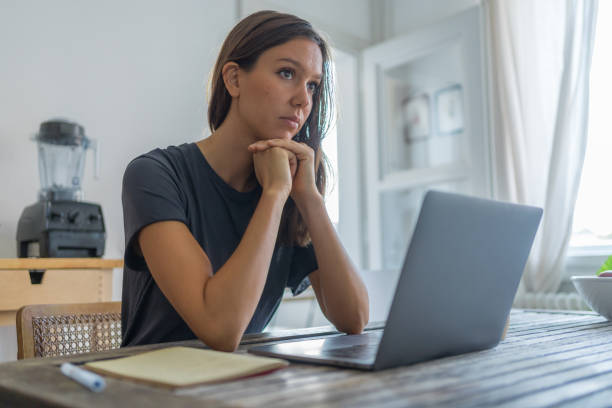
[(548, 358)]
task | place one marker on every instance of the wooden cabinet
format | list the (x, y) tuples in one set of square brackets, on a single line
[(53, 280)]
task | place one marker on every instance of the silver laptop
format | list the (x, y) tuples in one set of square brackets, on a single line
[(454, 293)]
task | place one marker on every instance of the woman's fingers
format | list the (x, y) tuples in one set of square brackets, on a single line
[(273, 169), (301, 150), (301, 164), (293, 163), (259, 146)]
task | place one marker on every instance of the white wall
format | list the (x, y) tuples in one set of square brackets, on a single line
[(346, 23), (132, 73), (403, 16)]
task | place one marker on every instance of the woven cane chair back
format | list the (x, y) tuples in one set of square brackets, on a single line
[(67, 329)]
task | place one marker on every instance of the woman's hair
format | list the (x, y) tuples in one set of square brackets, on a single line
[(244, 44)]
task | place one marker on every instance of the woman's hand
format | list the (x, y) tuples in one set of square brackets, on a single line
[(274, 169), (303, 185)]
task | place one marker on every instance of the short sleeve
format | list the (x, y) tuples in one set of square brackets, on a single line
[(303, 263), (150, 193)]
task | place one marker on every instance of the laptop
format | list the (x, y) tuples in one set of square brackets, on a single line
[(455, 291)]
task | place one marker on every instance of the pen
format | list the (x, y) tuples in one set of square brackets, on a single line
[(90, 380)]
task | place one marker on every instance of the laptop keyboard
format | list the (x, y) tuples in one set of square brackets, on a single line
[(358, 351), (365, 349)]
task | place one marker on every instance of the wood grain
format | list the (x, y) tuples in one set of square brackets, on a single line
[(57, 286), (560, 359), (59, 263)]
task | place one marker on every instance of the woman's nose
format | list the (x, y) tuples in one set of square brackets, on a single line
[(301, 97)]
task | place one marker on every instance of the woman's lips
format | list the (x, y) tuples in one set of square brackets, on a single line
[(291, 122)]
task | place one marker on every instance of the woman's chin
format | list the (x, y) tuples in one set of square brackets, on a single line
[(281, 136)]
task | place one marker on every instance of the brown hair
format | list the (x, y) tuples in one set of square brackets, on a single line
[(244, 44)]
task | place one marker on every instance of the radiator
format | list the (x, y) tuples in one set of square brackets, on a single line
[(534, 300)]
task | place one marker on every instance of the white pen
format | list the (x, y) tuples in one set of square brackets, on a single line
[(90, 380)]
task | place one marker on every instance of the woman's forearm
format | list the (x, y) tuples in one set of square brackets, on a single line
[(232, 294), (344, 296)]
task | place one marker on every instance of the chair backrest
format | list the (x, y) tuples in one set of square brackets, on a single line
[(65, 329)]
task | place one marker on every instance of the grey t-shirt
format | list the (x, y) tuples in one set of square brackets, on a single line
[(177, 183)]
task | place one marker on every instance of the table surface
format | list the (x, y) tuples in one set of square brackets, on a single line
[(548, 358)]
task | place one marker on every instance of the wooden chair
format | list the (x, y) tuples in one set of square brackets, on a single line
[(65, 329)]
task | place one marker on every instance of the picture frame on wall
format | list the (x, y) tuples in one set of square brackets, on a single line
[(415, 118), (449, 110)]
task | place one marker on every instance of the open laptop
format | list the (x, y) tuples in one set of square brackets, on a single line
[(454, 293)]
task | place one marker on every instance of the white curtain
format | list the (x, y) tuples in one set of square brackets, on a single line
[(539, 60)]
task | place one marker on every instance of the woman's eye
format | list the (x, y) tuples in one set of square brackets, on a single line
[(312, 86), (286, 73)]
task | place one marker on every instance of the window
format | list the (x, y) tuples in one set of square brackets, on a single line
[(330, 147), (592, 228)]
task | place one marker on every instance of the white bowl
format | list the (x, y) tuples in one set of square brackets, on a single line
[(596, 292)]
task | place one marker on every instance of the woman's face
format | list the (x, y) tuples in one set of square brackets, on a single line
[(276, 94)]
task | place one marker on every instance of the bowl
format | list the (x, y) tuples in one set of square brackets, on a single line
[(596, 291)]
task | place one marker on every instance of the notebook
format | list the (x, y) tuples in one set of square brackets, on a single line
[(460, 275), (175, 367)]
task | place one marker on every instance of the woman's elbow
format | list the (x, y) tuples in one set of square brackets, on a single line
[(356, 324), (228, 341), (360, 316), (224, 346), (354, 328)]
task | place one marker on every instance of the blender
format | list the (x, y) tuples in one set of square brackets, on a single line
[(60, 224)]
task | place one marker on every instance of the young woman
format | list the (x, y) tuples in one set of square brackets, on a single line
[(215, 230)]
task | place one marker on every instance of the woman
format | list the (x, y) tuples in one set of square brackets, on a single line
[(215, 230)]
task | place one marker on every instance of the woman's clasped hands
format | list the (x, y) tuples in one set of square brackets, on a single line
[(286, 166)]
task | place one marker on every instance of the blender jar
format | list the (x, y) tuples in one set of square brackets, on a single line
[(61, 159)]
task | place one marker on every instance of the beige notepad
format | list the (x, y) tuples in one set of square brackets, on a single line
[(175, 367)]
